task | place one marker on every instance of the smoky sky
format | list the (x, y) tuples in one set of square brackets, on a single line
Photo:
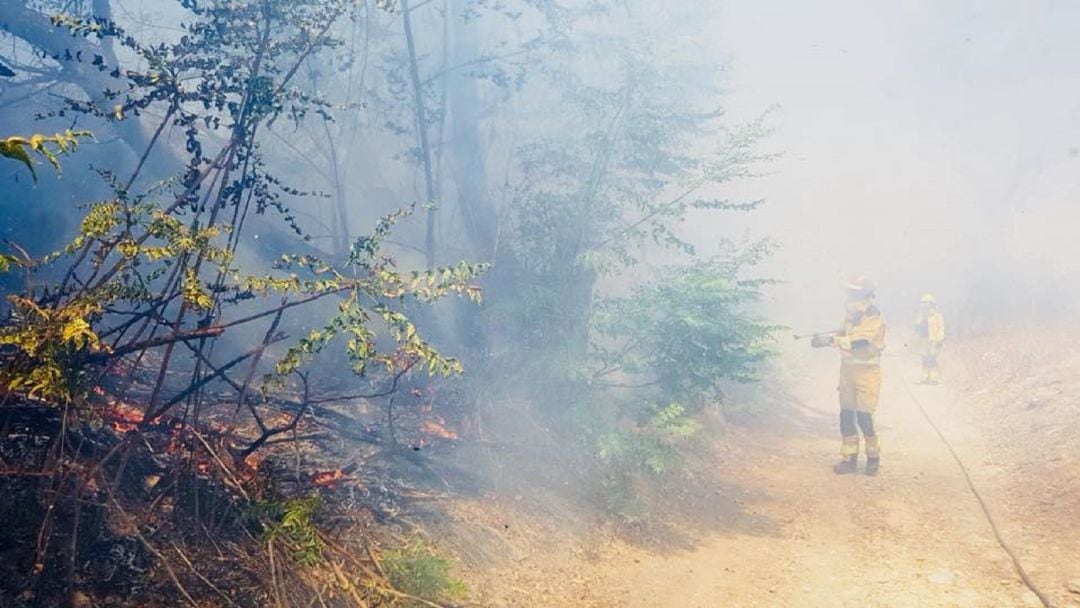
[(921, 141)]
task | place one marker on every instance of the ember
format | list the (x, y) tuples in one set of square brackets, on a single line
[(437, 429), (123, 417), (327, 478)]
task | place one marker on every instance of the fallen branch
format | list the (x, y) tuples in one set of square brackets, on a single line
[(195, 334)]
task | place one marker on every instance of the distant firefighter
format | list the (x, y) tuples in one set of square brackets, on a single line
[(860, 341), (930, 329)]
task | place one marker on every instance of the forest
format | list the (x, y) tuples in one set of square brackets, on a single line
[(282, 277)]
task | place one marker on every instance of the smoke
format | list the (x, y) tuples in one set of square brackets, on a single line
[(931, 144)]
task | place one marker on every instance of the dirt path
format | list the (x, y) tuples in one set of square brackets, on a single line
[(913, 536)]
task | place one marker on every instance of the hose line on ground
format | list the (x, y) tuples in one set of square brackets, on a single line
[(982, 504)]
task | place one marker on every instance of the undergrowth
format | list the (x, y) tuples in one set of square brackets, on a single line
[(418, 570)]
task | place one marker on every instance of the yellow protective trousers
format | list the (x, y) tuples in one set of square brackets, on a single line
[(860, 387), (859, 390), (931, 371), (851, 422)]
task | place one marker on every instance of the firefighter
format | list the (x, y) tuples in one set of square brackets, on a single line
[(930, 329), (860, 342)]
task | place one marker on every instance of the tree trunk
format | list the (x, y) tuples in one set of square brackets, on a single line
[(422, 132)]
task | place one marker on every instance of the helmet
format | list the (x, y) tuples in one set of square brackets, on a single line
[(927, 299), (860, 282)]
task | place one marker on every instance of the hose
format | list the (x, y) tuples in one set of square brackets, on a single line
[(982, 504)]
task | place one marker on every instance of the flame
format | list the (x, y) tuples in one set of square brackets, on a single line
[(123, 417), (174, 445), (437, 429), (252, 461), (249, 468), (327, 478)]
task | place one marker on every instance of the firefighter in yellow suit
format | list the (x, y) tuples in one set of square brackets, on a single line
[(930, 329), (860, 342)]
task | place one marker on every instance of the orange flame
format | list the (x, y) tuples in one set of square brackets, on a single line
[(174, 445), (252, 461), (327, 478), (123, 417), (437, 429)]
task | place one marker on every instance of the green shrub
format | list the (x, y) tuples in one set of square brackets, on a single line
[(292, 522), (687, 332), (417, 570)]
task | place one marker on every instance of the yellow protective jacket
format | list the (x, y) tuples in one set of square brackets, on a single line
[(863, 336), (931, 326)]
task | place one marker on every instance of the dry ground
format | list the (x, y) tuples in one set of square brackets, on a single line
[(777, 528)]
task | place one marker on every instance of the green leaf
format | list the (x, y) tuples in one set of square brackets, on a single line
[(15, 148)]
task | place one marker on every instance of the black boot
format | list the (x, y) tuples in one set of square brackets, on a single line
[(847, 466), (872, 465)]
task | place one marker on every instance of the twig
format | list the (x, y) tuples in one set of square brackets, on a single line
[(354, 397), (195, 334), (347, 584), (273, 574), (299, 438), (318, 597), (415, 598), (205, 360), (221, 464), (205, 580), (388, 587), (149, 547), (195, 386), (342, 423), (73, 547), (390, 402), (375, 560), (267, 434), (278, 309), (268, 339)]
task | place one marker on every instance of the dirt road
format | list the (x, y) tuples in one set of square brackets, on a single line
[(913, 536)]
